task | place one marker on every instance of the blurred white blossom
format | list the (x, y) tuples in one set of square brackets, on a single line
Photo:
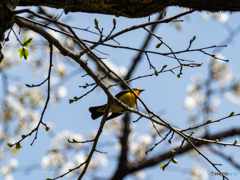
[(101, 159), (79, 158), (193, 100), (221, 17), (120, 70), (7, 170), (140, 145), (234, 99), (61, 91), (61, 139), (199, 173), (140, 174), (60, 69), (66, 167), (9, 177)]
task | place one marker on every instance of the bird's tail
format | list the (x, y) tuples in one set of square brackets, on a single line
[(97, 111)]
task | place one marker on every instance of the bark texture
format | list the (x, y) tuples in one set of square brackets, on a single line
[(134, 8), (6, 17)]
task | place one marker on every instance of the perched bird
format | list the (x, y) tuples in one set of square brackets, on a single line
[(126, 96)]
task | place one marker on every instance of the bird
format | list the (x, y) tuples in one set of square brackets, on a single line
[(125, 96)]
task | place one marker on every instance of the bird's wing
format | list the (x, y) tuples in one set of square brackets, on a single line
[(122, 92)]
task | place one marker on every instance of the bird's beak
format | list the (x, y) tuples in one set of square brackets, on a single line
[(141, 90)]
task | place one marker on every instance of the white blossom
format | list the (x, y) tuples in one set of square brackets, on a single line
[(120, 70), (232, 98), (61, 91)]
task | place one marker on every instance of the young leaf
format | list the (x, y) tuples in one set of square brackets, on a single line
[(20, 50), (232, 113), (27, 42), (75, 97), (165, 13), (9, 144), (174, 161), (209, 121), (158, 45), (28, 85), (164, 66), (25, 53), (18, 146), (114, 21), (25, 39), (70, 101), (96, 22), (164, 165)]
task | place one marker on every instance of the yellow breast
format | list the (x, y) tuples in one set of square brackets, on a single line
[(128, 99)]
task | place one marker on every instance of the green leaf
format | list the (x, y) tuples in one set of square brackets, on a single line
[(232, 113), (200, 64), (114, 21), (164, 165), (165, 13), (146, 152), (69, 141), (21, 53), (23, 136), (169, 141), (209, 121), (178, 75), (174, 161), (25, 54), (194, 37), (47, 128), (96, 22), (70, 101), (164, 66), (75, 97), (25, 39), (18, 146), (236, 140), (9, 144), (28, 85), (26, 42), (156, 73), (158, 45), (48, 179), (173, 151), (74, 140), (149, 19)]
